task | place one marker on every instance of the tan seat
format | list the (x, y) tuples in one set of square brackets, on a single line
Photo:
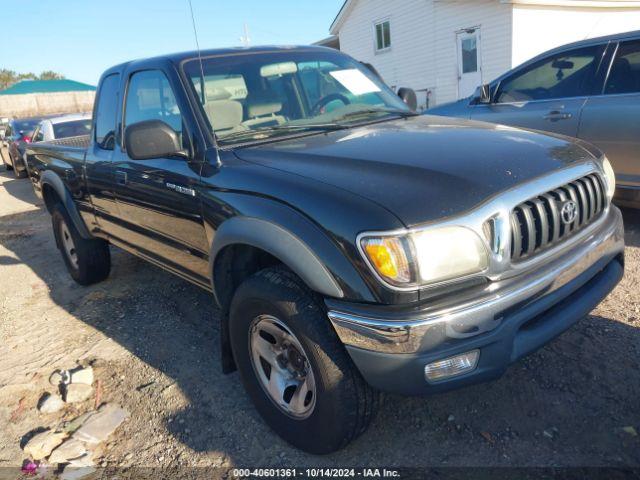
[(261, 112), (225, 115)]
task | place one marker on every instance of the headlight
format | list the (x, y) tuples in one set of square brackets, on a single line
[(610, 176), (426, 256)]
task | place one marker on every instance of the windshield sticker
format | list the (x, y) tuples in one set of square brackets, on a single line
[(355, 81)]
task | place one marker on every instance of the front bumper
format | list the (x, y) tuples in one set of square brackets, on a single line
[(505, 320)]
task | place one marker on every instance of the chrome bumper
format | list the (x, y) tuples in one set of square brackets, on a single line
[(461, 316)]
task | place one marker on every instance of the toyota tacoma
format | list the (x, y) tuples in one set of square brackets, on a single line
[(352, 246)]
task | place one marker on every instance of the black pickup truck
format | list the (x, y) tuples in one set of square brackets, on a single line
[(352, 246)]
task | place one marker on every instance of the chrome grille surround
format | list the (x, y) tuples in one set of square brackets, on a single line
[(538, 223)]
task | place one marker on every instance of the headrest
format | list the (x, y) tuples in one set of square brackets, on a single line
[(224, 114), (263, 103), (217, 94), (261, 108)]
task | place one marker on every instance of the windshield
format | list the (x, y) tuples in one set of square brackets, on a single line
[(253, 96), (74, 128)]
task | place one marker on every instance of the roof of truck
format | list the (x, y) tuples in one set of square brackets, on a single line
[(178, 57)]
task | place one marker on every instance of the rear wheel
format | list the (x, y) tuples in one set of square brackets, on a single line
[(88, 260), (294, 367)]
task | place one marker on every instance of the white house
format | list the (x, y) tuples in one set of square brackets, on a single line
[(444, 49)]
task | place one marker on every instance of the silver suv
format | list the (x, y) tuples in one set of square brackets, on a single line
[(589, 89)]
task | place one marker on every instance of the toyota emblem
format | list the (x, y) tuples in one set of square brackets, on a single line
[(569, 212)]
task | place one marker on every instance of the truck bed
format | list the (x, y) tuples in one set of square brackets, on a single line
[(62, 156)]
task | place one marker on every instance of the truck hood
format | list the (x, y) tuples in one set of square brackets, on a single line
[(421, 168)]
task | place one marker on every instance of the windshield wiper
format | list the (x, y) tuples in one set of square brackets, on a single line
[(278, 128), (368, 111)]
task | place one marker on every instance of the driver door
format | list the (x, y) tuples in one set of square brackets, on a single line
[(158, 204), (548, 95)]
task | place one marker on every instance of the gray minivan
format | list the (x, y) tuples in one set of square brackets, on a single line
[(588, 89)]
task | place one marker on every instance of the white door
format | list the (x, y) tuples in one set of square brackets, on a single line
[(469, 76)]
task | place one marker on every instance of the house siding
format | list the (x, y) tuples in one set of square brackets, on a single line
[(406, 63), (564, 25), (494, 20), (423, 53)]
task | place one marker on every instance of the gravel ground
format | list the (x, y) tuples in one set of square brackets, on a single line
[(154, 341)]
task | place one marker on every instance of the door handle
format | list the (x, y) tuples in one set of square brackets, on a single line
[(121, 177), (555, 115)]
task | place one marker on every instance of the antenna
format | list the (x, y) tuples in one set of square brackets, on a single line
[(245, 39), (195, 34)]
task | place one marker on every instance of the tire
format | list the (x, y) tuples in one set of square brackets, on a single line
[(343, 403), (88, 261)]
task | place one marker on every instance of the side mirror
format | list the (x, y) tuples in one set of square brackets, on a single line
[(152, 139), (409, 97), (484, 94)]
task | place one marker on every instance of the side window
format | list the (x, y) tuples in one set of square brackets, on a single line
[(563, 75), (150, 97), (625, 71), (106, 112)]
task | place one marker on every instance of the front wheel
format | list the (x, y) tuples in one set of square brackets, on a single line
[(294, 367), (88, 260)]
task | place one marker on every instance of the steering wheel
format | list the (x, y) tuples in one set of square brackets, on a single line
[(326, 100)]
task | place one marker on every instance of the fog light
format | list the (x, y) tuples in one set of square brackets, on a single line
[(452, 366)]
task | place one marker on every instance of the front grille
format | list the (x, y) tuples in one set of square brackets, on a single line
[(538, 223)]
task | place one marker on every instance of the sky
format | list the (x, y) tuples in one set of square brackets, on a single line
[(81, 38)]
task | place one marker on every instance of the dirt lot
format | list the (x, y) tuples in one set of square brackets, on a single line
[(154, 339)]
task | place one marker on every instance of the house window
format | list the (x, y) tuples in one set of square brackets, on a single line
[(383, 35)]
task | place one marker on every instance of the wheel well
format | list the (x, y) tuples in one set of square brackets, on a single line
[(50, 196), (232, 266)]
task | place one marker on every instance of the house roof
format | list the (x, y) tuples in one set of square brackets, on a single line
[(344, 11), (348, 5), (332, 41), (46, 86)]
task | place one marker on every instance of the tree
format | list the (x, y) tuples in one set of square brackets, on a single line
[(9, 77), (50, 75)]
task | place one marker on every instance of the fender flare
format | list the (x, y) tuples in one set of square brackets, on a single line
[(54, 181), (280, 243)]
